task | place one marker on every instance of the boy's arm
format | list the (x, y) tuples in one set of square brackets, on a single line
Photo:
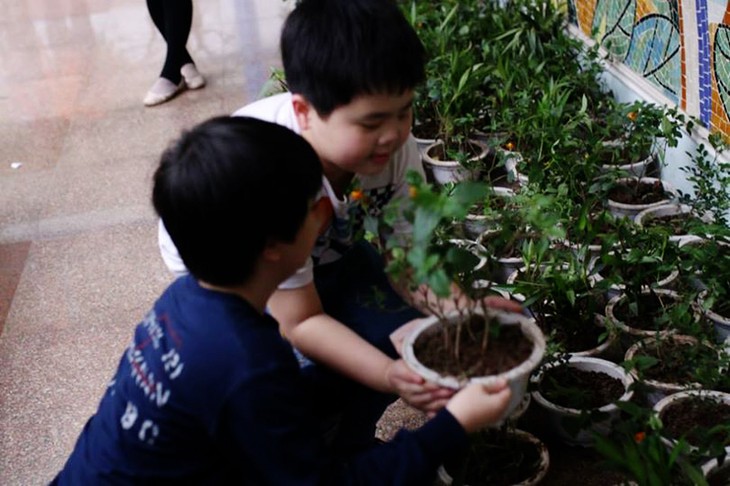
[(326, 340)]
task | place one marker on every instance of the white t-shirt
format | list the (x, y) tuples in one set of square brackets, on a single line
[(347, 220)]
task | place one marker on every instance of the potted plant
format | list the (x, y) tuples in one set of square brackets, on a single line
[(701, 417), (673, 363), (579, 395), (461, 335), (636, 449), (506, 456)]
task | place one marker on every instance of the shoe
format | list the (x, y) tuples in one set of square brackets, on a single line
[(163, 90), (191, 75)]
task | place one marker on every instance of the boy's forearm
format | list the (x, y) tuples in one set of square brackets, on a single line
[(328, 341)]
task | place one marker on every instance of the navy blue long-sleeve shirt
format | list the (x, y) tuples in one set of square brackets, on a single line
[(208, 392)]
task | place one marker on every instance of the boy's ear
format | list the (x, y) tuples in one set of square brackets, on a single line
[(302, 110), (272, 252)]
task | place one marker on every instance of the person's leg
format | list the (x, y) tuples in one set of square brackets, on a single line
[(176, 20)]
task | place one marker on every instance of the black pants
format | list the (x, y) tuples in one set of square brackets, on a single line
[(173, 18)]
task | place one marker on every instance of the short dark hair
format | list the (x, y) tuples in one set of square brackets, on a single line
[(229, 185), (335, 50)]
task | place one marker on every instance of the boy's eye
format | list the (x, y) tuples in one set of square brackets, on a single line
[(370, 126)]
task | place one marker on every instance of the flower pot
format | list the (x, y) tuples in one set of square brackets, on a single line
[(474, 248), (631, 334), (446, 171), (654, 388), (522, 474), (598, 328), (718, 412), (662, 282), (637, 168), (517, 376), (476, 224), (563, 419), (654, 215), (504, 266), (719, 322), (630, 210), (717, 473)]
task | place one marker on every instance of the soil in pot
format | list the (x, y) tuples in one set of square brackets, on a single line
[(496, 458), (573, 332), (693, 418), (675, 361), (579, 389), (638, 193), (677, 224), (721, 477), (648, 309), (506, 348)]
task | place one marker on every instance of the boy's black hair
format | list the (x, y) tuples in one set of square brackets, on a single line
[(228, 186), (335, 50)]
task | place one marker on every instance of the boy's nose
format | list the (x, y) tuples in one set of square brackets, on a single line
[(391, 134)]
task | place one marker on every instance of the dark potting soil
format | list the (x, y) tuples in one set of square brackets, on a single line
[(692, 418), (573, 332), (635, 192), (580, 389), (650, 307), (675, 362), (720, 478), (460, 351)]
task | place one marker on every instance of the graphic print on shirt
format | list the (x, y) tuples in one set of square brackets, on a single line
[(144, 355), (347, 223)]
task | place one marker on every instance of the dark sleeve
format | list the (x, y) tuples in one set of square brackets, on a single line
[(273, 427)]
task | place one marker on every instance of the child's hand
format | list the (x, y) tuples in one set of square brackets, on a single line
[(500, 303), (476, 406), (415, 391)]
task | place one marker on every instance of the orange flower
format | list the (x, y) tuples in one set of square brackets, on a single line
[(639, 437), (509, 146), (356, 195), (412, 192), (633, 116)]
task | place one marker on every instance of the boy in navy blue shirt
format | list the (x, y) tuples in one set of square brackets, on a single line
[(208, 391)]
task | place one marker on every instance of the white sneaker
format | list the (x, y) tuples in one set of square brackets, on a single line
[(191, 75), (162, 90)]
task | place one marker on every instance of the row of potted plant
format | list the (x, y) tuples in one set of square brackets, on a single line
[(539, 190)]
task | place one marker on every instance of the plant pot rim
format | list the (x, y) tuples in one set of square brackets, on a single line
[(660, 285), (665, 402), (529, 329), (626, 379), (666, 387), (542, 469), (668, 188), (483, 151), (616, 300)]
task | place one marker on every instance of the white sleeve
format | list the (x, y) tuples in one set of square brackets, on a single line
[(169, 253), (300, 278)]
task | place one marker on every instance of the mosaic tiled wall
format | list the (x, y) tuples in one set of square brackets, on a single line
[(680, 46)]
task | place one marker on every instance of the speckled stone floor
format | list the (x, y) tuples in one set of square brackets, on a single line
[(79, 263)]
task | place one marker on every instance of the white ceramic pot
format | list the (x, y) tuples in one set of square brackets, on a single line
[(630, 211), (517, 377), (505, 265), (474, 248), (631, 169), (558, 414), (446, 171), (617, 289), (714, 468), (656, 390), (665, 403), (666, 210), (634, 334), (720, 323), (476, 224), (536, 478)]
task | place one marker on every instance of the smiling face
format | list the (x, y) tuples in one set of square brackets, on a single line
[(359, 137)]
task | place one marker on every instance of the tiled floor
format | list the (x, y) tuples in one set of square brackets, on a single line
[(78, 258)]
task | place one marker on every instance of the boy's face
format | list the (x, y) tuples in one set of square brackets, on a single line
[(361, 136)]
